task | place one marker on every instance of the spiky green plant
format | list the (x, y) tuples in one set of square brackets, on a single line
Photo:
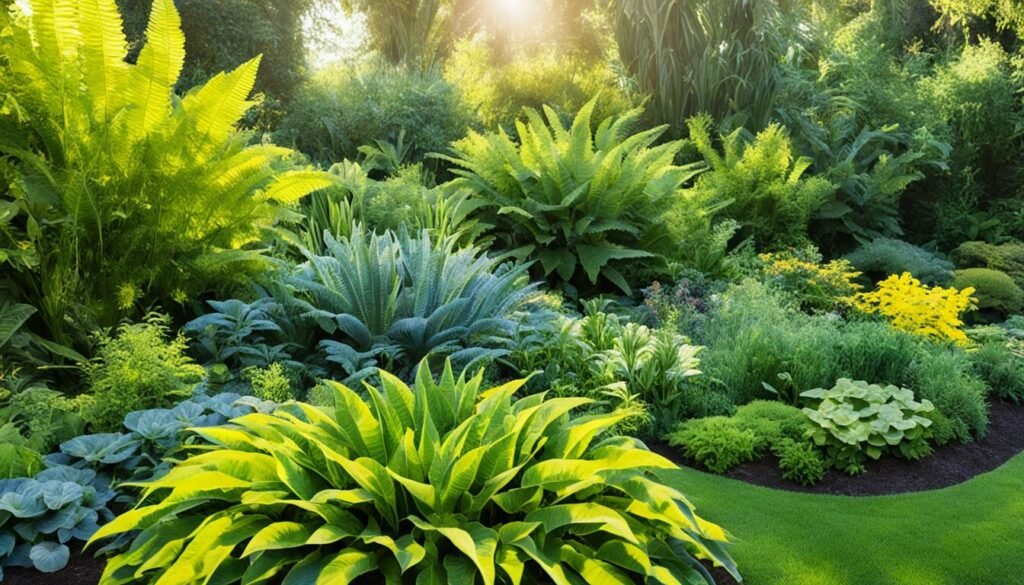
[(579, 200), (130, 194), (402, 298), (438, 483), (701, 56)]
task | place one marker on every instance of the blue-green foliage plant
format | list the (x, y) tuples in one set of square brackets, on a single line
[(397, 299), (40, 516)]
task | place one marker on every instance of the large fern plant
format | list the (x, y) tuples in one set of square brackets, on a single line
[(439, 483), (580, 201), (130, 194), (397, 299)]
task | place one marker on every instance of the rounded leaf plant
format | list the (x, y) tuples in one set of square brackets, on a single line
[(437, 483)]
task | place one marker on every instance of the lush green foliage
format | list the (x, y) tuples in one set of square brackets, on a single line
[(815, 285), (761, 184), (501, 91), (342, 109), (943, 376), (716, 443), (993, 290), (720, 443), (138, 368), (884, 256), (1002, 369), (708, 56), (855, 419), (39, 418), (129, 196), (435, 481), (399, 299), (272, 28), (800, 462), (580, 201), (38, 517), (1007, 257)]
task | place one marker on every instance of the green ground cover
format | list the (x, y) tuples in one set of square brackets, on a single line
[(969, 533)]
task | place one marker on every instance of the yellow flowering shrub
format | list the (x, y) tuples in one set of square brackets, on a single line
[(932, 312), (818, 286)]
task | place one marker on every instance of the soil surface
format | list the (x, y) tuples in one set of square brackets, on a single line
[(949, 465), (82, 569)]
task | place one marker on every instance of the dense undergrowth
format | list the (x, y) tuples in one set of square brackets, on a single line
[(753, 229)]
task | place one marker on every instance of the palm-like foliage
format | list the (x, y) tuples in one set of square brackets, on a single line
[(405, 297), (578, 200), (129, 194), (439, 483)]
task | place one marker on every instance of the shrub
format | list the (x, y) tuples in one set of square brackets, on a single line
[(42, 417), (401, 299), (800, 462), (580, 202), (1008, 258), (138, 368), (134, 195), (872, 349), (772, 422), (760, 184), (341, 109), (857, 419), (753, 336), (509, 490), (943, 376), (931, 312), (993, 290), (885, 256), (272, 383), (815, 285), (685, 305), (1001, 369), (715, 443)]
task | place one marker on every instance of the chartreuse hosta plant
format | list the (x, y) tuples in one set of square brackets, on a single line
[(582, 201), (438, 483), (854, 420), (132, 195)]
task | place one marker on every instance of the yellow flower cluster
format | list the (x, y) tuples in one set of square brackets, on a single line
[(933, 312), (818, 286)]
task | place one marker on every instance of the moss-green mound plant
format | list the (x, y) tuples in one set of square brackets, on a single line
[(855, 419), (581, 201), (994, 290), (437, 483)]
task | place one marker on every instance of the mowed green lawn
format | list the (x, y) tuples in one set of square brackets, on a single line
[(970, 534)]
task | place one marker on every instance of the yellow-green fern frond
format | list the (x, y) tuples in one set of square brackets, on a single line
[(157, 71), (291, 186), (103, 52)]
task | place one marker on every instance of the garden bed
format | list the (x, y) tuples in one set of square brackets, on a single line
[(949, 465)]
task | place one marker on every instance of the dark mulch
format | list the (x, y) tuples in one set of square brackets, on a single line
[(949, 465), (82, 569)]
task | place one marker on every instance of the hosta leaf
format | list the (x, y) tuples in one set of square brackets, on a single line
[(279, 535), (610, 521), (49, 557)]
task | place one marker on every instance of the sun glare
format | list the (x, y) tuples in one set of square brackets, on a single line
[(516, 13)]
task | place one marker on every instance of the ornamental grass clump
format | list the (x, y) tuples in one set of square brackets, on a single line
[(437, 483), (931, 312)]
